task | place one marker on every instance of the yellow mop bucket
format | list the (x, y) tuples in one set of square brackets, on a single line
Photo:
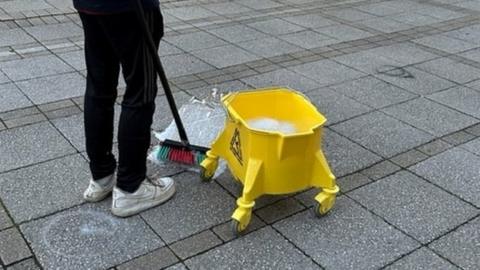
[(272, 161)]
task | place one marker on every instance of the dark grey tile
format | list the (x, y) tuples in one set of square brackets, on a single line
[(411, 204), (456, 171), (195, 244), (279, 210), (13, 246), (157, 259), (28, 264), (380, 170), (422, 259), (355, 237)]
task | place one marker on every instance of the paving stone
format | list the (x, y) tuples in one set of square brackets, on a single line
[(225, 56), (54, 31), (183, 64), (3, 78), (458, 138), (451, 70), (434, 147), (10, 37), (281, 77), (355, 237), (75, 58), (195, 244), (382, 134), (307, 197), (472, 55), (308, 39), (327, 72), (189, 13), (310, 20), (461, 246), (336, 107), (163, 116), (225, 87), (468, 33), (422, 259), (72, 128), (472, 146), (275, 27), (460, 98), (381, 9), (34, 67), (404, 53), (237, 33), (25, 196), (351, 182), (53, 88), (411, 204), (367, 61), (31, 119), (413, 18), (5, 221), (168, 49), (178, 266), (409, 158), (19, 113), (268, 47), (17, 6), (474, 85), (380, 170), (11, 98), (65, 112), (155, 260), (260, 5), (344, 156), (386, 25), (445, 43), (28, 264), (195, 41), (430, 116), (455, 170), (13, 246), (88, 237), (224, 231), (350, 14), (227, 8), (343, 32), (279, 210), (197, 206), (31, 144), (261, 249), (373, 92)]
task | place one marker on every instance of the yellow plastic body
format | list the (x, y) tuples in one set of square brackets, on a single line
[(271, 162)]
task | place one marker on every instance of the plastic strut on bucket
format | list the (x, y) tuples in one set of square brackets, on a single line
[(270, 161)]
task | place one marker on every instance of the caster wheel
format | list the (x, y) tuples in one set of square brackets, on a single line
[(205, 176), (320, 210), (237, 228)]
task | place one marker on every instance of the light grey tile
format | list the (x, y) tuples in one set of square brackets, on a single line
[(183, 64), (451, 70), (308, 39), (10, 37), (310, 20), (54, 31), (189, 13), (11, 98), (445, 43), (343, 32), (76, 59), (237, 33), (460, 98), (268, 47), (327, 72), (281, 77), (195, 41), (13, 246), (422, 259), (225, 56)]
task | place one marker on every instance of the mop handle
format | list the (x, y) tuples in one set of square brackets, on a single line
[(159, 68)]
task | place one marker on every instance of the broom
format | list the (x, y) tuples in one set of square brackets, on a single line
[(183, 151)]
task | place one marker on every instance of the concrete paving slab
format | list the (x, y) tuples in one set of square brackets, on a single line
[(344, 156), (281, 77), (54, 31), (18, 6), (31, 144), (76, 59), (195, 41), (89, 237), (461, 246), (445, 43), (472, 146), (450, 70), (422, 259), (237, 33), (327, 72), (5, 221), (382, 134), (336, 107), (386, 25), (196, 244), (275, 27), (225, 56), (431, 117), (467, 33), (11, 98), (416, 207), (197, 206), (25, 196), (261, 249), (28, 264), (189, 13), (373, 92), (53, 88), (366, 61), (404, 53), (34, 67), (13, 248), (472, 55), (343, 32), (350, 14), (268, 47), (310, 20), (155, 260), (455, 170), (308, 39), (460, 98), (227, 8), (353, 236), (183, 64), (413, 80), (10, 37), (260, 5)]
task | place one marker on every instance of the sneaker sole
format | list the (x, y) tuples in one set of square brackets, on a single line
[(126, 212), (97, 199)]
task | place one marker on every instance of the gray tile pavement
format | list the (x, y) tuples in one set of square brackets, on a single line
[(460, 98), (450, 70), (13, 246), (327, 72), (11, 98), (35, 67), (423, 258)]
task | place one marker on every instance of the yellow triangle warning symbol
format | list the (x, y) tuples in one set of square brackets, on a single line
[(236, 147)]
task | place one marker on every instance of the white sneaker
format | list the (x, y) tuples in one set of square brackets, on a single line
[(100, 189), (149, 194)]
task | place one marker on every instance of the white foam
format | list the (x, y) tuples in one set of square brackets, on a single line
[(272, 125)]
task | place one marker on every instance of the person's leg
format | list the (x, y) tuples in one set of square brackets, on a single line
[(101, 92), (138, 104)]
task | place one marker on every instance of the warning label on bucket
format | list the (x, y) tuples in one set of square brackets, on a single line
[(235, 146)]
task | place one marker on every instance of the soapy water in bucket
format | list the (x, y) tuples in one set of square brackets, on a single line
[(272, 125)]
